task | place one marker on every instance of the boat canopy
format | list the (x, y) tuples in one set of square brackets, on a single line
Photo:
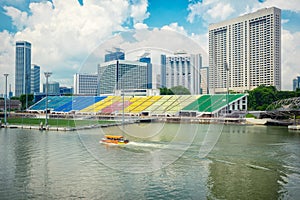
[(113, 137)]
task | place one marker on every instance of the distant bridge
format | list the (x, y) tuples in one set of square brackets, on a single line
[(284, 107)]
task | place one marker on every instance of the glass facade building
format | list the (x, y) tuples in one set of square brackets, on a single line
[(122, 75), (53, 88), (245, 52), (23, 68), (35, 79), (296, 83)]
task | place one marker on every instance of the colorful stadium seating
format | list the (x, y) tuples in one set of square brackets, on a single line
[(153, 105)]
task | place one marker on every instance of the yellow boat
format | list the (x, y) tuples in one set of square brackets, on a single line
[(114, 139)]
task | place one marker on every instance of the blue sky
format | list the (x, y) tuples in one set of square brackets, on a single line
[(64, 33)]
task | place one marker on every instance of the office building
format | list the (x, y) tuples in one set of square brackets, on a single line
[(23, 68), (296, 83), (35, 79), (65, 90), (146, 59), (85, 84), (53, 88), (245, 52), (118, 75), (181, 69)]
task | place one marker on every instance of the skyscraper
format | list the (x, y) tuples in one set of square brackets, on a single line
[(35, 79), (23, 68), (245, 52), (181, 69)]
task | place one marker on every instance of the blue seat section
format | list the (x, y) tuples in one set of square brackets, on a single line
[(40, 105), (53, 102), (66, 103), (78, 103)]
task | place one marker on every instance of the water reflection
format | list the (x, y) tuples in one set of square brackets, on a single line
[(249, 163)]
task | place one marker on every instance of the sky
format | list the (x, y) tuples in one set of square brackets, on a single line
[(64, 33)]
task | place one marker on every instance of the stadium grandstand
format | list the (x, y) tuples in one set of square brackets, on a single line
[(164, 105)]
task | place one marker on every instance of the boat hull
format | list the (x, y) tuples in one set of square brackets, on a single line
[(113, 142), (114, 139)]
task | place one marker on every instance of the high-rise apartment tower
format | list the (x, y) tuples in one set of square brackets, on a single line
[(245, 52)]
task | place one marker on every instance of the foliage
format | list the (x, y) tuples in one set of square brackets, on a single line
[(261, 97), (180, 90), (249, 115), (166, 91), (29, 100), (15, 98)]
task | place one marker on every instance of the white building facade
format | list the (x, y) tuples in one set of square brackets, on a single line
[(245, 52), (85, 84), (181, 69)]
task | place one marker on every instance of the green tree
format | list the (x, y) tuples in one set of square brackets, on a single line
[(180, 90), (15, 98), (29, 100), (263, 96), (166, 91)]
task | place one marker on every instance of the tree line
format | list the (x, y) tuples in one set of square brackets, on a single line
[(261, 97)]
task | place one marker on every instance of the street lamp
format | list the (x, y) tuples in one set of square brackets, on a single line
[(5, 99), (227, 84), (47, 75)]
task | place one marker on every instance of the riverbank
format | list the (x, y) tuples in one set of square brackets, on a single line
[(53, 128), (81, 122)]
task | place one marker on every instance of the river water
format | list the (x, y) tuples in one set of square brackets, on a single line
[(162, 161)]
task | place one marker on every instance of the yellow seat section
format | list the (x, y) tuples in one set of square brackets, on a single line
[(99, 105)]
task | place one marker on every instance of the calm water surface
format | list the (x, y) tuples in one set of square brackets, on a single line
[(162, 161)]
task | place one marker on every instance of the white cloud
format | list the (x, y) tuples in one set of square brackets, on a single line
[(202, 40), (290, 43), (212, 11), (220, 11), (7, 64), (140, 26), (195, 11), (63, 33), (292, 5), (175, 27), (139, 11), (19, 18)]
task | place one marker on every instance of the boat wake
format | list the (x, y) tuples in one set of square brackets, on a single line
[(149, 145)]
